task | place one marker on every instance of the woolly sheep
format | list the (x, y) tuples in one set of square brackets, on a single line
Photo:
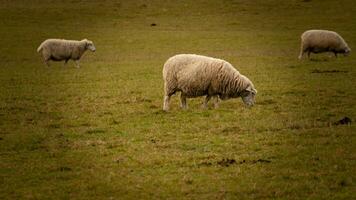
[(318, 41), (60, 49), (196, 75)]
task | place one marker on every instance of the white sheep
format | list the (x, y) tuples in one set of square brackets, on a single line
[(196, 75), (318, 41), (60, 49)]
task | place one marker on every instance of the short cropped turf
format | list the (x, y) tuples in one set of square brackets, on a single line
[(99, 132)]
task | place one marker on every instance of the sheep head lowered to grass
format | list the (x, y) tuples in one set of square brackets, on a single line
[(318, 41)]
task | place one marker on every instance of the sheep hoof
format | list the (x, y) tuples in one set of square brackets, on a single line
[(184, 107), (204, 106), (165, 108)]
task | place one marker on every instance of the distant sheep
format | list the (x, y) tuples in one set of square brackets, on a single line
[(195, 75), (318, 41), (60, 49)]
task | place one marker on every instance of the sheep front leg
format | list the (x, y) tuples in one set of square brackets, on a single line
[(335, 53), (77, 63)]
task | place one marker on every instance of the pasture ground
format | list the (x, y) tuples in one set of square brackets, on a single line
[(99, 132)]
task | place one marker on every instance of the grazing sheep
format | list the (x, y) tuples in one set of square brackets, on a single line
[(195, 75), (318, 41), (60, 49)]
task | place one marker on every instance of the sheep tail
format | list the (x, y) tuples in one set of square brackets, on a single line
[(39, 49)]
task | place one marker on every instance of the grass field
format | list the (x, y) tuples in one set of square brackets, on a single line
[(99, 132)]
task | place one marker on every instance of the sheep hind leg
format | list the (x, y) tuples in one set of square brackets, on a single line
[(166, 102), (65, 62), (46, 61), (77, 63), (167, 96), (301, 54), (168, 92), (183, 101), (216, 102), (302, 51)]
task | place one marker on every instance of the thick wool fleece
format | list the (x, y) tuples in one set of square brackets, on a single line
[(60, 49), (318, 41), (195, 75)]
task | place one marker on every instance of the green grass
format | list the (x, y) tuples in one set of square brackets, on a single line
[(99, 132)]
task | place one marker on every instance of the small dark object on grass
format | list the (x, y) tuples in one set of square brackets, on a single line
[(243, 161), (329, 71), (0, 138), (153, 24), (205, 164), (343, 121), (226, 162), (345, 182), (62, 169), (261, 161), (267, 102)]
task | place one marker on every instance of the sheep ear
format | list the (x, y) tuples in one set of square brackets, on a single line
[(250, 89)]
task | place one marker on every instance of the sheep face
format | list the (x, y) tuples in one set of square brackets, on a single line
[(347, 51), (248, 96), (90, 45)]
